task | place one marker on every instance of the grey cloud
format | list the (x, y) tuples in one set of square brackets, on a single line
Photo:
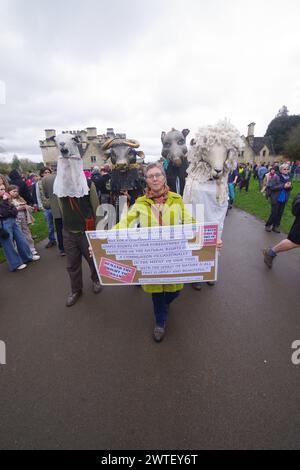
[(86, 30), (138, 66)]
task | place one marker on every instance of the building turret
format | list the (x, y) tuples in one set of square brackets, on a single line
[(50, 133), (250, 136), (91, 132)]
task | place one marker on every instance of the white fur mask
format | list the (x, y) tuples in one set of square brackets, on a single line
[(70, 179), (212, 154)]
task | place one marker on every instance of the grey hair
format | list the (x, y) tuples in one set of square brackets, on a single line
[(155, 165), (284, 166)]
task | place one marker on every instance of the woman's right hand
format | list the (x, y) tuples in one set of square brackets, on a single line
[(219, 244)]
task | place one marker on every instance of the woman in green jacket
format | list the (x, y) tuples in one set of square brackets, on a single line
[(159, 206)]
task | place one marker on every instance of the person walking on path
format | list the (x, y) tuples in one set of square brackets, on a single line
[(291, 242), (152, 210), (78, 203), (279, 187)]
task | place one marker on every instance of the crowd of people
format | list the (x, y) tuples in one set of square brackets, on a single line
[(20, 196), (69, 206), (276, 183)]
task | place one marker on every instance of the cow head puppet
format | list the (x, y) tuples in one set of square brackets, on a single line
[(123, 156), (122, 152)]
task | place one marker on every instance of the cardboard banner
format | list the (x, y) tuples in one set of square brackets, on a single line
[(155, 255)]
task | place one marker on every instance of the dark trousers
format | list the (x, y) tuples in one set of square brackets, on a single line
[(276, 214), (59, 233), (161, 301), (76, 246)]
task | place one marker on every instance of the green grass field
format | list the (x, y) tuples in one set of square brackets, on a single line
[(256, 204), (38, 229)]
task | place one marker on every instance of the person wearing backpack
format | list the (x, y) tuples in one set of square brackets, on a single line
[(293, 239)]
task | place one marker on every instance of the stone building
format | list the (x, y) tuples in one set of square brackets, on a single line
[(92, 143), (257, 149)]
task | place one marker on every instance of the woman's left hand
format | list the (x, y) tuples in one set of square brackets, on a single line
[(219, 244)]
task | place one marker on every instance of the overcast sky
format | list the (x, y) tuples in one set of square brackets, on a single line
[(143, 66)]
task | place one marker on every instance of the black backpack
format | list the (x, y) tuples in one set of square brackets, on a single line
[(296, 206)]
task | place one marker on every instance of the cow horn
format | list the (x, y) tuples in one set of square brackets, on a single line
[(141, 154), (129, 142), (107, 144), (132, 143)]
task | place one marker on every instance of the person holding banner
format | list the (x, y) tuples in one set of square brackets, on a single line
[(159, 206)]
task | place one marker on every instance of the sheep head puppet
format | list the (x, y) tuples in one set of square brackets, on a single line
[(213, 153)]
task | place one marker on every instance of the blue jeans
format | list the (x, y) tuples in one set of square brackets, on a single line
[(23, 255), (161, 301), (231, 192), (49, 218)]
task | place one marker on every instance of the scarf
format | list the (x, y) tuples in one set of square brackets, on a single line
[(161, 198), (159, 201)]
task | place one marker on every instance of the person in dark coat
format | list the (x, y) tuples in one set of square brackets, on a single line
[(101, 179)]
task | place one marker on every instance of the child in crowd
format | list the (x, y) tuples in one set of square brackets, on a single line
[(24, 217)]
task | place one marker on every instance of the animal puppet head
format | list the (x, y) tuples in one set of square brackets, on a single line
[(214, 151), (68, 145), (121, 152), (174, 145), (70, 180)]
